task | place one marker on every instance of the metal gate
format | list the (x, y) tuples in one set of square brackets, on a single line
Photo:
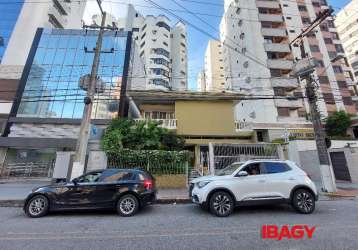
[(340, 166), (222, 155), (30, 163)]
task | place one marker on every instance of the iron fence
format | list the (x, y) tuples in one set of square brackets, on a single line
[(223, 155), (168, 174)]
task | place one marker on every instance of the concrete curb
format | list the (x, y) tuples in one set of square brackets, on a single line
[(334, 195), (173, 201), (11, 203), (20, 203)]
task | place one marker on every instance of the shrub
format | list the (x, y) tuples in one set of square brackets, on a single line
[(338, 123)]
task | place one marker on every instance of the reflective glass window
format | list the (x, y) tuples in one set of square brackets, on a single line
[(61, 64)]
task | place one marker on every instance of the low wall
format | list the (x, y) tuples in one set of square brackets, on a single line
[(304, 153)]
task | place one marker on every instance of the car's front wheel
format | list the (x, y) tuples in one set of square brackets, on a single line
[(127, 205), (37, 206), (221, 204), (303, 201)]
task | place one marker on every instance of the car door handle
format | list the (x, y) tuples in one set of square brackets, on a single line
[(291, 179), (261, 181)]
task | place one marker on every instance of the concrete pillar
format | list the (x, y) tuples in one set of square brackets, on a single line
[(197, 155), (63, 159), (3, 152), (96, 160), (211, 159)]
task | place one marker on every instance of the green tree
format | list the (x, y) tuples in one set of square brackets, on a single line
[(338, 123), (139, 135), (172, 142)]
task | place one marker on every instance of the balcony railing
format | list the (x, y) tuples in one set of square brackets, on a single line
[(163, 123), (274, 32), (277, 47), (243, 126), (270, 18), (285, 103), (267, 4), (57, 17), (283, 82), (279, 64), (354, 98)]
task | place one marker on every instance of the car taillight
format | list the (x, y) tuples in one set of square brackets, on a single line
[(148, 184)]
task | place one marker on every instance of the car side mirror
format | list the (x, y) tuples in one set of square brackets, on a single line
[(242, 174), (75, 181)]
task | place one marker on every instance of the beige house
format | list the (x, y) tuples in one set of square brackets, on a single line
[(200, 118)]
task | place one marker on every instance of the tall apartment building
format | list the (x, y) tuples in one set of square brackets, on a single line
[(347, 28), (214, 67), (9, 14), (259, 60), (46, 116), (162, 47), (50, 14), (201, 81), (24, 19)]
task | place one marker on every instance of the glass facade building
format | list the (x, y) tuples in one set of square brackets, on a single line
[(59, 64), (9, 12)]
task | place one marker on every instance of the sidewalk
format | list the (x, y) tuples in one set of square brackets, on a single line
[(345, 189), (167, 196)]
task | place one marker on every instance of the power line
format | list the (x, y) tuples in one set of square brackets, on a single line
[(203, 31)]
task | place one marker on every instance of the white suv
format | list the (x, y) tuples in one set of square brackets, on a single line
[(255, 182)]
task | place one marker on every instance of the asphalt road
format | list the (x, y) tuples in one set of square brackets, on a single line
[(180, 227)]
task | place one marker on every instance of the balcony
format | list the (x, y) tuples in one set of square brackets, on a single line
[(267, 4), (332, 29), (285, 103), (290, 119), (350, 82), (284, 82), (279, 64), (243, 127), (63, 6), (270, 18), (345, 68), (354, 98), (304, 66), (274, 32), (58, 20), (277, 47), (163, 123)]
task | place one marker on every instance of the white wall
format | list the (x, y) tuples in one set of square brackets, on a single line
[(304, 153)]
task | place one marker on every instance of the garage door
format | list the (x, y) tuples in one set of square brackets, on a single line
[(340, 167)]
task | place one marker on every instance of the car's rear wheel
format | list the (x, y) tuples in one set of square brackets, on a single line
[(127, 205), (221, 204), (37, 206), (303, 201)]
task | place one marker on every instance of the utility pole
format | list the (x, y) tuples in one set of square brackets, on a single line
[(82, 142), (304, 69)]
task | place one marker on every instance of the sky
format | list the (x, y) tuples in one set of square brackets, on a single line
[(209, 19)]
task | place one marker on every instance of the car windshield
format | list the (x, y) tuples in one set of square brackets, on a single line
[(229, 170)]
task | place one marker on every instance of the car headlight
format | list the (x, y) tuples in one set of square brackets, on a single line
[(202, 184)]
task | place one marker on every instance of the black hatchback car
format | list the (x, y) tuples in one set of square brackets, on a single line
[(126, 190)]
